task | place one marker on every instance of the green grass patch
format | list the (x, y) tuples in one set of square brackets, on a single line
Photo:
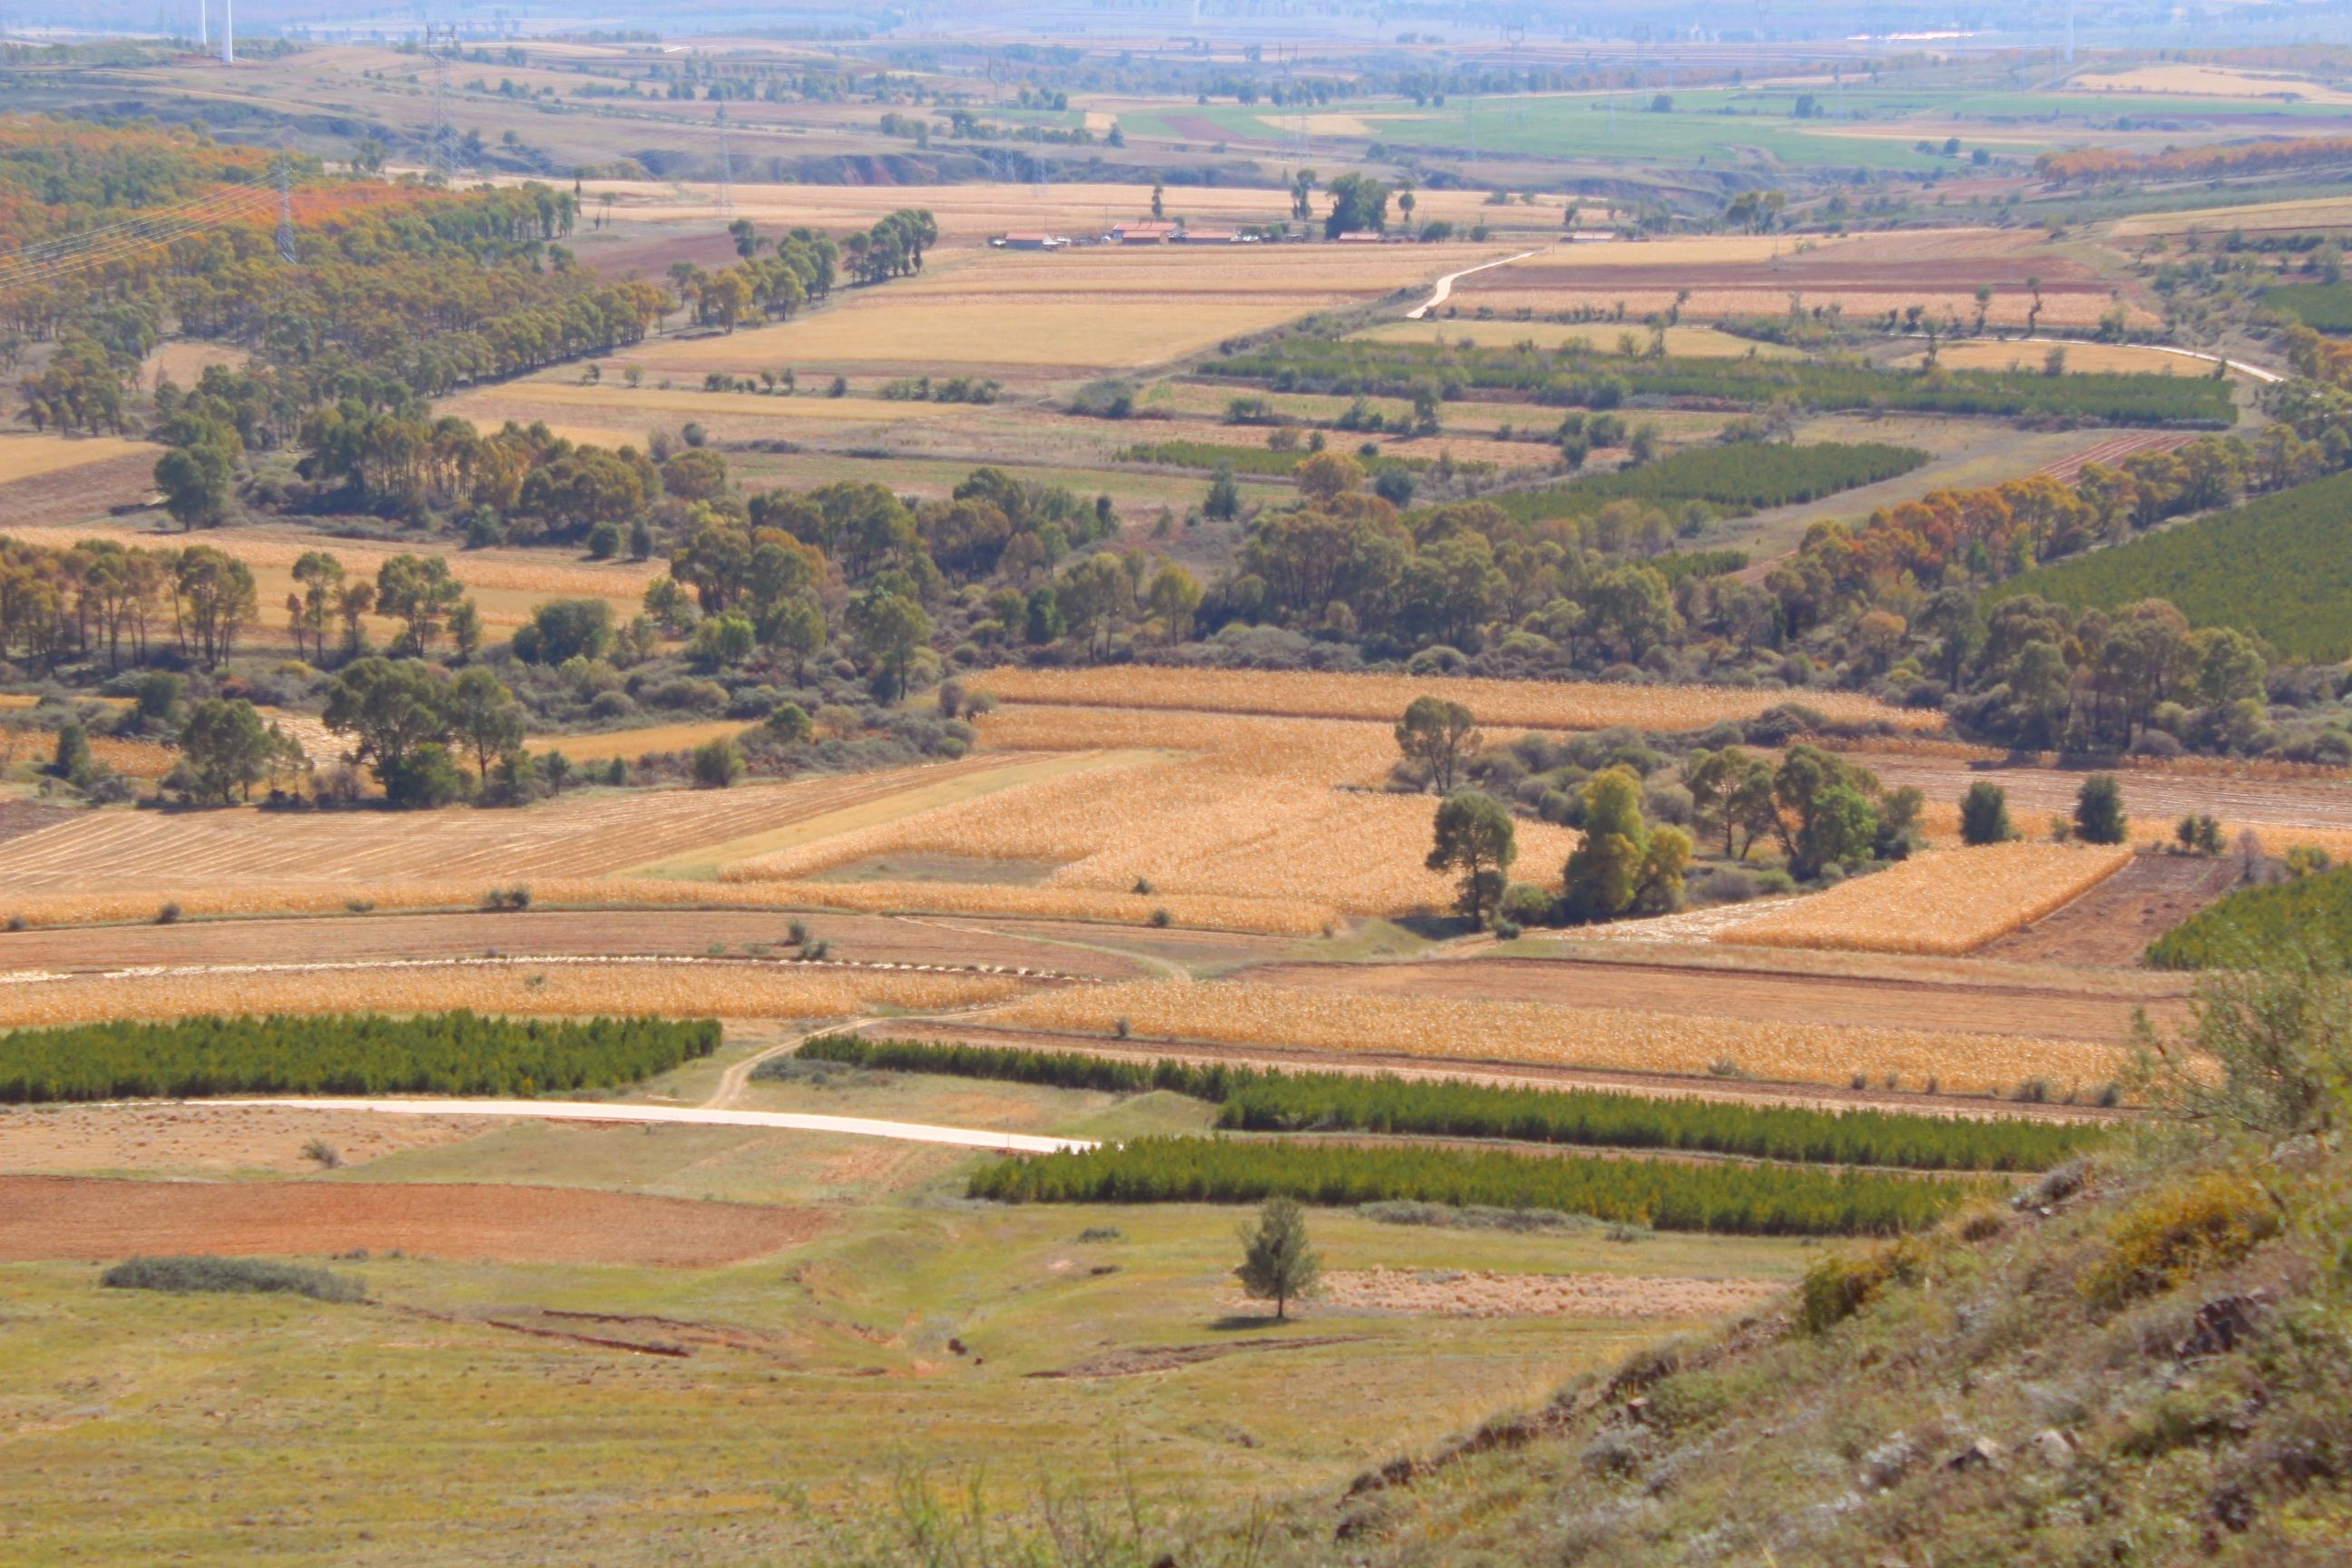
[(2252, 920), (1260, 1101), (2324, 307), (1662, 1194), (1575, 377), (2277, 567), (456, 1053)]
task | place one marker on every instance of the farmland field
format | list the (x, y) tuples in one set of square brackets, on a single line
[(1948, 902)]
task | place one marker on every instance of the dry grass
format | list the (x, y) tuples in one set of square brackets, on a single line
[(134, 759), (1255, 814), (1946, 902), (1528, 704), (2266, 217), (1343, 1023), (632, 744), (1270, 916), (2206, 81), (2009, 308), (548, 988), (26, 457)]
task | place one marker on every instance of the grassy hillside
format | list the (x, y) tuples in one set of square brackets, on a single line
[(2279, 567)]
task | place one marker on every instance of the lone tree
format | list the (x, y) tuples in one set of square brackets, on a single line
[(1475, 837), (1984, 815), (1437, 734), (1276, 1263), (2099, 811)]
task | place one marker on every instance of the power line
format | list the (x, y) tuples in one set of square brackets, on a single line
[(442, 164), (726, 169), (285, 208)]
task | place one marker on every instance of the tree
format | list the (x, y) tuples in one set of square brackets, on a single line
[(1984, 814), (1223, 502), (1436, 735), (1731, 789), (1174, 597), (889, 627), (789, 725), (562, 629), (1326, 476), (393, 712), (1277, 1266), (484, 715), (1475, 838), (1827, 810), (718, 764), (195, 481), (418, 591), (1358, 203), (72, 761), (2099, 811), (319, 576), (226, 748), (1623, 863)]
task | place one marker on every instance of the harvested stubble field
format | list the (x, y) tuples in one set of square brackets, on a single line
[(633, 408), (538, 987), (631, 744), (2292, 810), (1240, 914), (183, 1139), (1946, 901), (60, 1218), (1255, 814), (29, 457), (1240, 1012), (104, 856), (1524, 704), (1483, 1293)]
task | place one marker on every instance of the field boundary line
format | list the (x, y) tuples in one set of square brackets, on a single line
[(695, 1116)]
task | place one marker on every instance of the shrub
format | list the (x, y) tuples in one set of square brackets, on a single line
[(718, 764), (1838, 1286), (2099, 811), (237, 1276), (1984, 815), (2177, 1232)]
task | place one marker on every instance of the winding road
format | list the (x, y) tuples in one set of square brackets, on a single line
[(1444, 289)]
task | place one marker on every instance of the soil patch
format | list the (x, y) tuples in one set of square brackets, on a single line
[(1453, 1293), (82, 494), (192, 1138), (1169, 1358), (46, 1217), (2114, 923)]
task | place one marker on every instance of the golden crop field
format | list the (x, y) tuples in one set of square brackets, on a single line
[(2010, 307), (1080, 331), (631, 744), (1525, 704), (1946, 901), (350, 852), (28, 457), (492, 407), (2315, 213), (1238, 1013), (689, 988), (1258, 812), (2206, 81)]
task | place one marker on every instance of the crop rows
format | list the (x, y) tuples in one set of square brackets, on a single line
[(1263, 461), (2316, 910), (1529, 704), (1573, 378), (1664, 1195), (1242, 1013), (1741, 477), (1270, 1100), (2276, 567), (1947, 902), (686, 989), (453, 1053)]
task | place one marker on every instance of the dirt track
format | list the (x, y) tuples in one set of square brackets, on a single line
[(45, 1218), (1758, 995)]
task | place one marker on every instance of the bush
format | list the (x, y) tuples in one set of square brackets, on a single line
[(2177, 1232), (2315, 910), (1837, 1286), (356, 1054), (718, 764), (236, 1276), (2099, 811), (1984, 815)]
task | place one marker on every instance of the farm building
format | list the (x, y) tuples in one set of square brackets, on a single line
[(1209, 237), (1153, 233), (1030, 241)]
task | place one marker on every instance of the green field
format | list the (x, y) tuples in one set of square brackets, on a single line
[(2314, 908), (2279, 567)]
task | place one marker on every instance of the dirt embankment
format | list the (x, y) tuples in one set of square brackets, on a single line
[(49, 1217)]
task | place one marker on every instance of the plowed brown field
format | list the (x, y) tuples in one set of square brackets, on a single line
[(44, 1217)]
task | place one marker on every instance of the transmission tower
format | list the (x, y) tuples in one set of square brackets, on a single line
[(1515, 33), (726, 169), (284, 207), (439, 42)]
